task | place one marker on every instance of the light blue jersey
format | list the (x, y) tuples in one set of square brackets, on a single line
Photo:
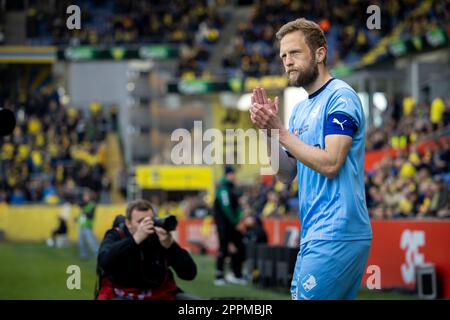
[(332, 209)]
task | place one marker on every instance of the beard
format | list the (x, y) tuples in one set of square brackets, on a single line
[(307, 76)]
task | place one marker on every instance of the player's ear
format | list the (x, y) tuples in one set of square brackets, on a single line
[(321, 54)]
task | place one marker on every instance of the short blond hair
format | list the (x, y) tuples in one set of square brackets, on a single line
[(314, 36)]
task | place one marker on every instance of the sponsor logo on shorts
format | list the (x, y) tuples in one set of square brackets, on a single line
[(309, 282)]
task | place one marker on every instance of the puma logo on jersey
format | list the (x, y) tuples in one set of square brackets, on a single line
[(339, 123)]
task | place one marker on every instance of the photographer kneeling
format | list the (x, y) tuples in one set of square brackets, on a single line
[(134, 260)]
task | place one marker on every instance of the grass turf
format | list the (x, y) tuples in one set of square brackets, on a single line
[(35, 271)]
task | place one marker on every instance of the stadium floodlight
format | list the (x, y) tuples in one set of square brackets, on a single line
[(65, 99), (172, 101), (130, 86), (61, 91), (380, 101), (244, 102), (229, 100), (292, 96)]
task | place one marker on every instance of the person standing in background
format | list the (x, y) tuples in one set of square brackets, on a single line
[(86, 235), (227, 214)]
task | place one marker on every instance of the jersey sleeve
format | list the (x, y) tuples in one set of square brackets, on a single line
[(347, 103), (341, 124)]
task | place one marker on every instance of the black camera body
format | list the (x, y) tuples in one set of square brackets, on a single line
[(168, 223)]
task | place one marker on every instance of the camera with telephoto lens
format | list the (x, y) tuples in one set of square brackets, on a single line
[(168, 223)]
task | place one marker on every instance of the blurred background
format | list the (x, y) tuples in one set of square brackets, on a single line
[(96, 108)]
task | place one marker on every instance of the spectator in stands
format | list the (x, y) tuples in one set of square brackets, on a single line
[(199, 208), (247, 208), (441, 158), (18, 197), (292, 207), (440, 200), (254, 232), (272, 207), (59, 235), (446, 117), (426, 190), (437, 113)]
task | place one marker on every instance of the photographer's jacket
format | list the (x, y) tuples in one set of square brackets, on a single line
[(127, 268)]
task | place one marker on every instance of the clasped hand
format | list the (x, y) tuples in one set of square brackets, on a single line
[(264, 111)]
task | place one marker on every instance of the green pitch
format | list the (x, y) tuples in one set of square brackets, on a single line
[(35, 271)]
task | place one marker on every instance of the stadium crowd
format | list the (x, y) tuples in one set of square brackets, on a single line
[(415, 180), (53, 153), (192, 26), (415, 183), (56, 150), (407, 121), (253, 52)]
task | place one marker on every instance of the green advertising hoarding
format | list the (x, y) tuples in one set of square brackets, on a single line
[(432, 39), (117, 53)]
